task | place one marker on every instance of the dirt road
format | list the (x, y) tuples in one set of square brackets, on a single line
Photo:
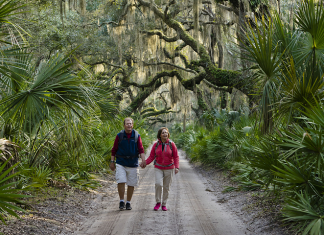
[(192, 209)]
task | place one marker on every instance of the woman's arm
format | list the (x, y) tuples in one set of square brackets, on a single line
[(175, 155), (152, 155)]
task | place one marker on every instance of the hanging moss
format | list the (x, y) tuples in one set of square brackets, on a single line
[(146, 92), (157, 113), (194, 65), (201, 102), (150, 109), (221, 77)]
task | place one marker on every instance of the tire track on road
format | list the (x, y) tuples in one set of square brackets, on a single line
[(200, 212), (141, 201)]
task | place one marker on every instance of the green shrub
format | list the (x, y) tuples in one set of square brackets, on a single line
[(8, 194)]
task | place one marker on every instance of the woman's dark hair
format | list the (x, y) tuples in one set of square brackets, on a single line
[(160, 132)]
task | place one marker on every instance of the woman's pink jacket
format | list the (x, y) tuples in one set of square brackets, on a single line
[(165, 157)]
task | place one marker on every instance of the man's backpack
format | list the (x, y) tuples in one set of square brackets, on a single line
[(121, 136)]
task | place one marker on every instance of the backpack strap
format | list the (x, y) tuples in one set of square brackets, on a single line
[(121, 136), (170, 144), (136, 136), (156, 146)]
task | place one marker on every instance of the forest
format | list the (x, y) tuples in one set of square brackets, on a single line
[(239, 83)]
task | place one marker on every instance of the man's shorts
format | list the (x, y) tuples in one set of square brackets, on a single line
[(128, 175)]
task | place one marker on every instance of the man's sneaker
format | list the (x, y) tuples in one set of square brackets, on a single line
[(164, 208), (157, 206), (121, 205), (128, 206)]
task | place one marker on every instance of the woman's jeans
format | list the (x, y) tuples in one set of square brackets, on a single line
[(163, 178)]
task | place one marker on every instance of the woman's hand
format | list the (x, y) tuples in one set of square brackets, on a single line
[(176, 170), (143, 164)]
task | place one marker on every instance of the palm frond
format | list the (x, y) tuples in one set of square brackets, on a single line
[(8, 195)]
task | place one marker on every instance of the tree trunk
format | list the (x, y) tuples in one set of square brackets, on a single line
[(184, 122), (223, 100), (291, 20)]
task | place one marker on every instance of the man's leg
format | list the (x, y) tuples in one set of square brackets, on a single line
[(130, 191), (132, 178), (121, 179), (121, 191)]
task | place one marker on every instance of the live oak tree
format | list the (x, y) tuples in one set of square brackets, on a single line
[(150, 47)]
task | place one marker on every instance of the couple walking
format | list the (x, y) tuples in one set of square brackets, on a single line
[(127, 147)]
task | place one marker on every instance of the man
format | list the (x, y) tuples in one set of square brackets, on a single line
[(127, 147)]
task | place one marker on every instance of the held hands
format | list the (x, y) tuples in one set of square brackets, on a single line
[(143, 164)]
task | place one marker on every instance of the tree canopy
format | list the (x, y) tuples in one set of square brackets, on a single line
[(149, 48)]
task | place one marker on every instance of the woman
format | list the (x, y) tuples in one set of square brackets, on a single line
[(166, 161)]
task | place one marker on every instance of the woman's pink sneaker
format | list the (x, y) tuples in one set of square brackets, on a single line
[(164, 208), (157, 206)]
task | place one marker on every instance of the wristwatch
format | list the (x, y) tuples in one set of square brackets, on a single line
[(112, 161)]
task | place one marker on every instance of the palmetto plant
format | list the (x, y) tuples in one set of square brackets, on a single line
[(285, 155), (260, 48), (8, 194), (43, 91), (53, 106), (51, 109), (287, 63), (308, 213)]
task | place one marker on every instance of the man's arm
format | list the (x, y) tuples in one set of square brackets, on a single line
[(141, 151), (143, 163), (112, 165)]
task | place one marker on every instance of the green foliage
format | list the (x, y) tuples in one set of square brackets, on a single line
[(245, 176), (224, 76), (310, 19), (51, 86), (287, 63), (302, 209), (63, 118), (213, 117), (81, 180), (40, 176), (287, 162), (8, 194)]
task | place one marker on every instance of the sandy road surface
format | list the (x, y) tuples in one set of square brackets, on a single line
[(191, 210)]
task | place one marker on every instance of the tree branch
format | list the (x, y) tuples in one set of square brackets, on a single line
[(229, 23), (165, 102), (105, 62), (157, 112), (167, 8), (159, 75), (229, 89), (117, 71), (228, 9), (125, 11), (162, 35), (156, 120), (170, 64), (143, 95), (176, 51), (100, 25)]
